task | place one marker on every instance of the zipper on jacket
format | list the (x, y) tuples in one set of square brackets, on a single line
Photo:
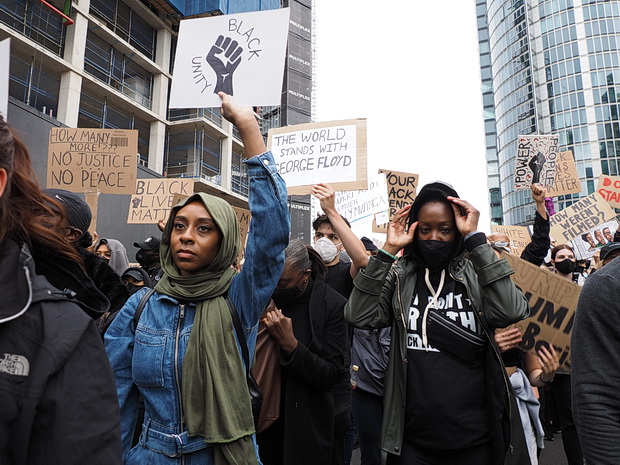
[(402, 316), (498, 356), (176, 364)]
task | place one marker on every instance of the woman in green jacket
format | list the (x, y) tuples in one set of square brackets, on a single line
[(446, 397)]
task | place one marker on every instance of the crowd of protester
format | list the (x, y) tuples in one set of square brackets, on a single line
[(406, 348)]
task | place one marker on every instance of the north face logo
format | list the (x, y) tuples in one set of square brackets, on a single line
[(14, 365)]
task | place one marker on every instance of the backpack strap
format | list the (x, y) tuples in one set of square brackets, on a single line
[(145, 298)]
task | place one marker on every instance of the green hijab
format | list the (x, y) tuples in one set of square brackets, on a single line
[(216, 402)]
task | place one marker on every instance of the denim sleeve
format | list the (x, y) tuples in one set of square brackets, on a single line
[(267, 238), (119, 341)]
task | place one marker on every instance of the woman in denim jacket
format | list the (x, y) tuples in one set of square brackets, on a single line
[(183, 356)]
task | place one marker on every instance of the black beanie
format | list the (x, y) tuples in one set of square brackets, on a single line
[(77, 210)]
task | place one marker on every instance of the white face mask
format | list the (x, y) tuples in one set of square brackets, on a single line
[(326, 249)]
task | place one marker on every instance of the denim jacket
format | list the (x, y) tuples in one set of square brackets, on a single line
[(149, 361)]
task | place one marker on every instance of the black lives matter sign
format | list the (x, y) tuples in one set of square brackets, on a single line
[(83, 160)]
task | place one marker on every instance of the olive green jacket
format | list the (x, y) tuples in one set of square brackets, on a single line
[(382, 296)]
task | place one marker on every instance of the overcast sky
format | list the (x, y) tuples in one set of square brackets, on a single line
[(411, 68)]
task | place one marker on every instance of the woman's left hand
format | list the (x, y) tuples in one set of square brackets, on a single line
[(549, 363), (466, 216), (280, 328)]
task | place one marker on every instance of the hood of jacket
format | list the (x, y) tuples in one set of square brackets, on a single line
[(23, 287), (433, 192), (68, 276)]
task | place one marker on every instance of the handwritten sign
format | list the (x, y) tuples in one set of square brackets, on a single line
[(240, 54), (154, 198), (609, 188), (519, 237), (5, 60), (553, 301), (83, 160), (535, 161), (579, 218), (566, 176), (332, 152), (243, 216), (401, 191)]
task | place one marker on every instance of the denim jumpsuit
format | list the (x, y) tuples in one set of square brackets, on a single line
[(150, 361)]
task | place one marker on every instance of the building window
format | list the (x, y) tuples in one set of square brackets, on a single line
[(33, 86), (96, 112), (36, 21), (127, 24), (239, 175), (107, 64)]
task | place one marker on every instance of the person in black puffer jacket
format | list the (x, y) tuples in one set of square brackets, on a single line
[(58, 399)]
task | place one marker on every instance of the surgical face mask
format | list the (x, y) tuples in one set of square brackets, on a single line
[(326, 249), (566, 266), (436, 254)]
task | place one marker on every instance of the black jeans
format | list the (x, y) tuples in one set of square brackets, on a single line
[(411, 455), (570, 440), (367, 414)]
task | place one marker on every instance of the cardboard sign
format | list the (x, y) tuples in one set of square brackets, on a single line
[(553, 301), (5, 60), (401, 192), (240, 54), (358, 206), (104, 160), (609, 188), (566, 176), (154, 198), (589, 243), (587, 214), (535, 161), (244, 216), (332, 152), (519, 237)]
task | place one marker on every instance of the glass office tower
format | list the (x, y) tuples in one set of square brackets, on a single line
[(554, 68)]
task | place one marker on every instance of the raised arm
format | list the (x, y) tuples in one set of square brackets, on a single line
[(351, 243), (270, 224)]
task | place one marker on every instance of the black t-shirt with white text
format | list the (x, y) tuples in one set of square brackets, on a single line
[(445, 407)]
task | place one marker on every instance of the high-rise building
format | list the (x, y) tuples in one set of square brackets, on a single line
[(110, 66), (549, 67)]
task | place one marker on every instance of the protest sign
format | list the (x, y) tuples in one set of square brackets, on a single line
[(5, 60), (243, 216), (590, 242), (609, 188), (552, 301), (587, 214), (535, 161), (240, 54), (566, 176), (332, 152), (519, 237), (358, 206), (82, 160), (401, 191), (154, 198)]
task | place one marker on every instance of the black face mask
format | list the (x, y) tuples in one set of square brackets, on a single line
[(436, 254), (132, 288), (565, 266), (144, 259), (284, 297)]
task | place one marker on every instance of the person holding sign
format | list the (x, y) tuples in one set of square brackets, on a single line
[(446, 399), (182, 354), (58, 400)]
